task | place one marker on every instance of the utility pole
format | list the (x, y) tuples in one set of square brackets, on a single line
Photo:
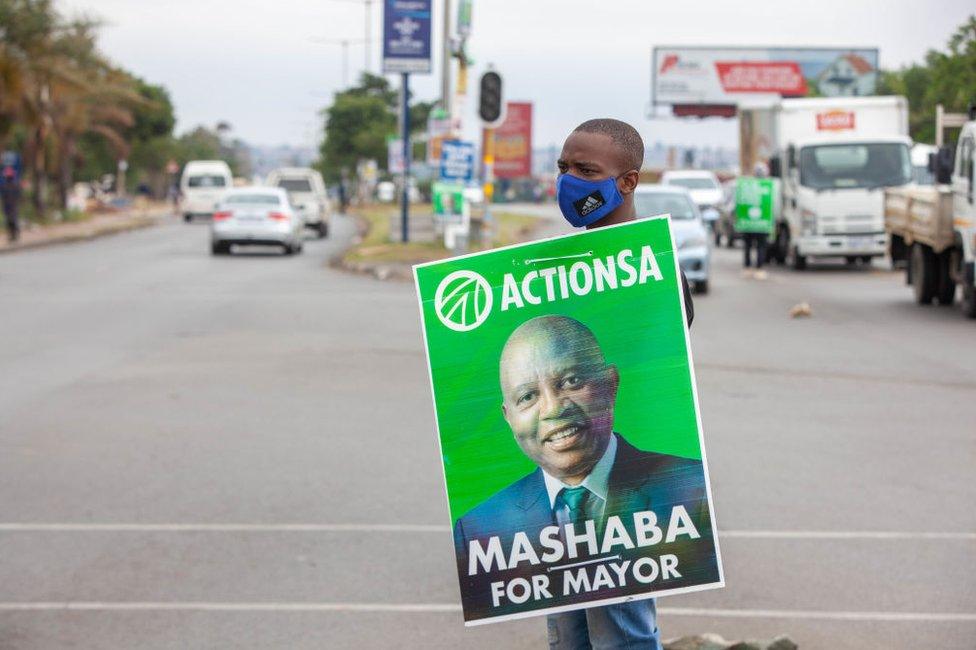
[(405, 134), (446, 58)]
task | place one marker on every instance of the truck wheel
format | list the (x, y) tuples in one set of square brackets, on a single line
[(945, 286), (923, 274), (781, 246), (323, 229), (187, 217), (969, 300)]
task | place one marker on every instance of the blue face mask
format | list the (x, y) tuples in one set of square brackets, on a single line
[(583, 202)]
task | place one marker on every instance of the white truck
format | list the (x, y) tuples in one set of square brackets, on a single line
[(306, 191), (835, 156), (933, 228)]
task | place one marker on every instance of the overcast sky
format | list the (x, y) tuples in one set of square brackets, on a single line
[(254, 63)]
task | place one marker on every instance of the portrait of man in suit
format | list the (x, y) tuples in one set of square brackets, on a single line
[(558, 398)]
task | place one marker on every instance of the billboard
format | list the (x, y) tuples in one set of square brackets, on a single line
[(759, 76), (513, 142), (406, 36), (569, 430)]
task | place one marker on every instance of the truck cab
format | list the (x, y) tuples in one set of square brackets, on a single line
[(836, 156)]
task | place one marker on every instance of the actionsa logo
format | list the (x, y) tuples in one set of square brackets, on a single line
[(463, 301)]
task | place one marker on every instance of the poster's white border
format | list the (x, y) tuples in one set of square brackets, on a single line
[(720, 583)]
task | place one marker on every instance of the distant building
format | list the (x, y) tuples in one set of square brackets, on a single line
[(849, 75)]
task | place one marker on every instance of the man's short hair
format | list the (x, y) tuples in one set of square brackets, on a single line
[(623, 135)]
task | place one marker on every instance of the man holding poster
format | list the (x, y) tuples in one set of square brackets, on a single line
[(567, 414)]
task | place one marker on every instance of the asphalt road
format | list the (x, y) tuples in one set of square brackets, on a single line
[(201, 452)]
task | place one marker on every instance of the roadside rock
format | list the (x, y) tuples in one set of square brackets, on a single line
[(711, 641), (801, 310)]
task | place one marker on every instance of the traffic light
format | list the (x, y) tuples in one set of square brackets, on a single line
[(490, 100)]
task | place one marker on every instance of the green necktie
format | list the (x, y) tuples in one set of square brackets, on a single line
[(575, 500)]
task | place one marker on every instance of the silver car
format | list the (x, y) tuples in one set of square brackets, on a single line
[(690, 234), (256, 216)]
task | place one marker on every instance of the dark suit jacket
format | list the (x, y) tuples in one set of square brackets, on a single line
[(639, 481)]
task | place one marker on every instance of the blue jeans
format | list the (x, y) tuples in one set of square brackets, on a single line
[(625, 626)]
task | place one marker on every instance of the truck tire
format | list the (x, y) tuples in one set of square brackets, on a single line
[(969, 300), (923, 274), (780, 246), (945, 290)]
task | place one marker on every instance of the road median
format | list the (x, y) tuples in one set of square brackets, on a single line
[(377, 251)]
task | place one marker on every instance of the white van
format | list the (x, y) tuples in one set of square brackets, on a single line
[(306, 191), (202, 186)]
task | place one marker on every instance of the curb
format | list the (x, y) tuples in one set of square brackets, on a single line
[(132, 223)]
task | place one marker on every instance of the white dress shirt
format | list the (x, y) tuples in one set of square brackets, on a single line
[(597, 482)]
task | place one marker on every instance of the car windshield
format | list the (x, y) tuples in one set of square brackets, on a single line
[(207, 181), (295, 184), (841, 166), (649, 204), (253, 199), (923, 176), (693, 183)]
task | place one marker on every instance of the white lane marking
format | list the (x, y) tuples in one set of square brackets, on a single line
[(931, 617), (101, 606), (434, 528), (223, 528), (843, 534), (97, 606)]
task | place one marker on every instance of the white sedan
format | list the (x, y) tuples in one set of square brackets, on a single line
[(260, 216)]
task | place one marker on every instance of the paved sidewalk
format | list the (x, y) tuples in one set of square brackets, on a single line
[(34, 236)]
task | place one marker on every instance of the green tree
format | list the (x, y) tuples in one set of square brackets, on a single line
[(947, 78), (359, 123)]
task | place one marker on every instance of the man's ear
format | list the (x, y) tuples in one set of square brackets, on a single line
[(613, 381), (504, 412), (627, 182)]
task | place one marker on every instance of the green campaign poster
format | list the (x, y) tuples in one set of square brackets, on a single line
[(568, 421), (755, 201), (447, 198)]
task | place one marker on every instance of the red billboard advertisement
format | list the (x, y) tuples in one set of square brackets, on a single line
[(783, 77), (513, 142)]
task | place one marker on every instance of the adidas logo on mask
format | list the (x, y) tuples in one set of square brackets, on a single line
[(589, 203)]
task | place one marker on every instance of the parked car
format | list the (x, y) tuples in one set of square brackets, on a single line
[(706, 192), (202, 186), (690, 233), (306, 190), (256, 216)]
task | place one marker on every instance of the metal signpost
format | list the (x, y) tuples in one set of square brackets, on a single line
[(406, 50)]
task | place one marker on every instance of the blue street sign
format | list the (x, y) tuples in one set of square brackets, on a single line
[(406, 36), (457, 161)]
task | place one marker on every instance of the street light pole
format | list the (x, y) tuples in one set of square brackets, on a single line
[(345, 43)]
